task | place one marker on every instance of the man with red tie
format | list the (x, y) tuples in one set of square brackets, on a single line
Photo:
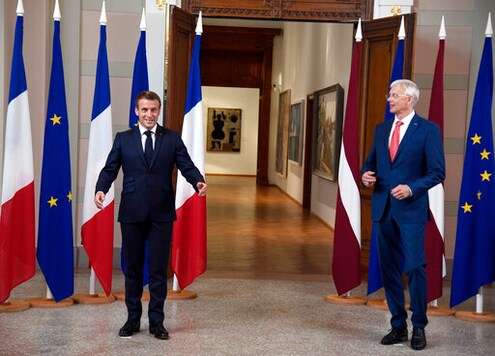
[(406, 160)]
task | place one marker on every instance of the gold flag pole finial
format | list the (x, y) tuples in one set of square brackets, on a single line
[(160, 4), (395, 10)]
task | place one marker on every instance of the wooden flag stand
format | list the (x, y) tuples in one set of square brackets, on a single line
[(437, 310), (98, 298), (40, 302), (13, 306), (177, 294), (345, 299), (49, 302), (377, 304), (92, 297), (479, 316)]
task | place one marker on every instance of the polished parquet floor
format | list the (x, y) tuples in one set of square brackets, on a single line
[(259, 231)]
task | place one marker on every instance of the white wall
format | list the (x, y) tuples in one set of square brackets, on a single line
[(308, 57), (246, 99)]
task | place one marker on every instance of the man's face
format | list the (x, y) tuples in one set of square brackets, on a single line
[(399, 103), (148, 112)]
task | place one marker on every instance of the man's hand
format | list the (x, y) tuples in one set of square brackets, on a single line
[(368, 178), (402, 191), (202, 188), (99, 199)]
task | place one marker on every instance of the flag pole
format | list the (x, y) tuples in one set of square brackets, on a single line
[(475, 199), (56, 102), (186, 264), (347, 235), (17, 200), (97, 225), (434, 237), (140, 82)]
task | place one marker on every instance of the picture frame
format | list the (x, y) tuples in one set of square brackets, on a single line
[(327, 131), (282, 133), (223, 131), (296, 128)]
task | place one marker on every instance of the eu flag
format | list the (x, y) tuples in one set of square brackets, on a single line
[(55, 235), (474, 257)]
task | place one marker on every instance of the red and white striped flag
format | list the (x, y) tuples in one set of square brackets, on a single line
[(17, 226), (189, 236), (347, 235), (434, 238)]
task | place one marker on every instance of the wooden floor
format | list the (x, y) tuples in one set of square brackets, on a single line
[(259, 231)]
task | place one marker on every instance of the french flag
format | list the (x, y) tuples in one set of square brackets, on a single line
[(189, 236), (17, 226), (97, 226)]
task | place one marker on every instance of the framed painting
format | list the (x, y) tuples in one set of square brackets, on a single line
[(282, 133), (296, 121), (223, 131), (327, 131)]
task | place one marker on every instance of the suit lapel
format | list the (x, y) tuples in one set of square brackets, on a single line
[(411, 129), (160, 132)]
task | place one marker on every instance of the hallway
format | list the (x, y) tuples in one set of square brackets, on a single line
[(258, 231)]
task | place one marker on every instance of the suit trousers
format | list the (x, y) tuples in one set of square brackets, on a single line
[(134, 238), (401, 248)]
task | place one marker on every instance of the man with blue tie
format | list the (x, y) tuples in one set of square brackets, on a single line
[(405, 160), (147, 154)]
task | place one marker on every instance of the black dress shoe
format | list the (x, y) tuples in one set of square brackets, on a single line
[(159, 331), (130, 327), (395, 336), (418, 339)]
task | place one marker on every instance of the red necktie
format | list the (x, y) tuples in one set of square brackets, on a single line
[(394, 142)]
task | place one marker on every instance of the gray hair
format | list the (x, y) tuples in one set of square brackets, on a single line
[(410, 88)]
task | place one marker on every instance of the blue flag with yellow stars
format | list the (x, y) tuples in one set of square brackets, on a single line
[(474, 257), (55, 235)]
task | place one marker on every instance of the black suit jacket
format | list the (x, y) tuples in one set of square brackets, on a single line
[(147, 190)]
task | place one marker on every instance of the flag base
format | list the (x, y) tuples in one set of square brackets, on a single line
[(377, 304), (14, 306), (181, 294), (347, 300), (439, 311), (121, 296), (41, 302), (476, 317), (99, 298)]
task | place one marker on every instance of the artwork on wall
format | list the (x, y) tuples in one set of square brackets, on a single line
[(282, 133), (327, 131), (223, 132), (296, 122)]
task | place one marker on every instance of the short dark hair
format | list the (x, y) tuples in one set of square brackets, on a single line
[(148, 95)]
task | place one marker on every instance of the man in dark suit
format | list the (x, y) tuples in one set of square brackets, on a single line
[(402, 165), (147, 155)]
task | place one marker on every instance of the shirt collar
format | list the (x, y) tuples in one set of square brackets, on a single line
[(143, 129), (406, 120)]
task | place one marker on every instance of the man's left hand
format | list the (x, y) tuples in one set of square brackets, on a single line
[(402, 191), (202, 188)]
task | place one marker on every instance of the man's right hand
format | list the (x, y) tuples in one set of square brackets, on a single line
[(99, 199), (368, 178)]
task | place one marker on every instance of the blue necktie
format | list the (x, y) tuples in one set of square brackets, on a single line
[(148, 147)]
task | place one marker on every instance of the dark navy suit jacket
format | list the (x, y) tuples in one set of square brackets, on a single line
[(419, 163), (147, 190)]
